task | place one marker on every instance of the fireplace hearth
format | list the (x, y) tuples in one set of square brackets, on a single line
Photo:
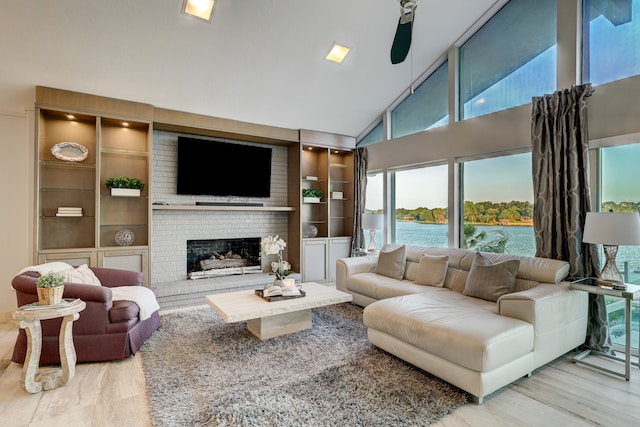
[(222, 257)]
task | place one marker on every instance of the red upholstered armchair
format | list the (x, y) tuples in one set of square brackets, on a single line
[(106, 329)]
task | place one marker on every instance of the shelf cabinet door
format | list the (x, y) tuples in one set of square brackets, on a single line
[(314, 260), (135, 259), (338, 248)]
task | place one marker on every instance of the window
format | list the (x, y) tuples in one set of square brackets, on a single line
[(611, 35), (375, 203), (421, 198), (426, 108), (498, 205), (376, 135), (510, 59), (621, 193)]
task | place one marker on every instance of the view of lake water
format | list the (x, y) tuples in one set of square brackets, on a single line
[(521, 242)]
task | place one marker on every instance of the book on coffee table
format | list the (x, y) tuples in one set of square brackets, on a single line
[(275, 293)]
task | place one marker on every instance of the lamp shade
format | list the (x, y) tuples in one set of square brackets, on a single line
[(372, 221), (612, 228)]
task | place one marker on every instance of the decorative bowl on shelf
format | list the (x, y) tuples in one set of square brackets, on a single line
[(310, 231), (124, 238), (69, 151)]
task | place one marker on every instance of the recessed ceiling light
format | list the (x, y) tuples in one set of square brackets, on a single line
[(337, 53), (70, 116), (202, 9), (125, 124)]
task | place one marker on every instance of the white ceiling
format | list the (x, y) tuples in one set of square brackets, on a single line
[(259, 61)]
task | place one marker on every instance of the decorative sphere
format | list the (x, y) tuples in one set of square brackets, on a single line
[(310, 231), (125, 237)]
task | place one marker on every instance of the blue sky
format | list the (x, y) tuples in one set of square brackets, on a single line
[(621, 173)]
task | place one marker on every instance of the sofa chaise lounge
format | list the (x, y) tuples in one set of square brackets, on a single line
[(460, 315)]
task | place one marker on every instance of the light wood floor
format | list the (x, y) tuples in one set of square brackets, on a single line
[(113, 394)]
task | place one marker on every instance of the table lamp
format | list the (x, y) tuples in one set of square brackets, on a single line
[(372, 222), (612, 229)]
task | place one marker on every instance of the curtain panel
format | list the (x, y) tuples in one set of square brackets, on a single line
[(360, 192), (560, 166)]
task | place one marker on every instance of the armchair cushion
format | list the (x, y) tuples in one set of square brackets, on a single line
[(123, 311)]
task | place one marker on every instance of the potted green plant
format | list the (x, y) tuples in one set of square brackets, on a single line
[(50, 287), (124, 187), (311, 195)]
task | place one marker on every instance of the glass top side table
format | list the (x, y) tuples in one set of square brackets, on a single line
[(632, 292)]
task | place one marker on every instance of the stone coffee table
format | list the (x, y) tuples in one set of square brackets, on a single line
[(272, 319)]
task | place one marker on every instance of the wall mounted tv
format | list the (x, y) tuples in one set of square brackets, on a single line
[(218, 168)]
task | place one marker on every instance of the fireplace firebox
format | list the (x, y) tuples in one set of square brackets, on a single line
[(221, 257)]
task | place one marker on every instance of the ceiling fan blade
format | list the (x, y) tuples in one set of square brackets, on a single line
[(401, 41)]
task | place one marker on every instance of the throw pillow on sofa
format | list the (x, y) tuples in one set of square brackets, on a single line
[(432, 270), (490, 281), (391, 262), (82, 274)]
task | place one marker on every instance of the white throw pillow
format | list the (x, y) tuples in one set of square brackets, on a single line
[(432, 270), (82, 274), (391, 262), (490, 281)]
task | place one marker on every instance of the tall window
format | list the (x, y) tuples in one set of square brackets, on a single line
[(510, 59), (620, 193), (421, 197), (375, 202), (611, 36), (428, 107), (498, 205)]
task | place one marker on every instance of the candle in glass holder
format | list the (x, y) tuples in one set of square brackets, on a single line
[(289, 284)]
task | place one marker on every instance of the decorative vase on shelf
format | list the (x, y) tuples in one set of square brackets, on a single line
[(125, 238)]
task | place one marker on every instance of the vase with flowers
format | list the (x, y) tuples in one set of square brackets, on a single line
[(274, 246)]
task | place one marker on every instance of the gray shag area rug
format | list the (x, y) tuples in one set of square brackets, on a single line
[(202, 372)]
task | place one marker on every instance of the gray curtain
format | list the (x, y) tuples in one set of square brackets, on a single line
[(360, 191), (559, 151)]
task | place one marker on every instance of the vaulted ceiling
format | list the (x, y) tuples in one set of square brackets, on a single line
[(259, 61)]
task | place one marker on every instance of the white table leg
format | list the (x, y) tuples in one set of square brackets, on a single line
[(67, 349), (30, 368)]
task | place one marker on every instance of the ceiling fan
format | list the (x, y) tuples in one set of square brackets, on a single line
[(402, 39)]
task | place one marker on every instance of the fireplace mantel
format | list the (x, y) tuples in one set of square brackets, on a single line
[(223, 208)]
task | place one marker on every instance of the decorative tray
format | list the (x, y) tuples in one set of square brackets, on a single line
[(69, 151), (278, 297)]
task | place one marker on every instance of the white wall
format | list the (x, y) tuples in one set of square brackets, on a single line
[(16, 219)]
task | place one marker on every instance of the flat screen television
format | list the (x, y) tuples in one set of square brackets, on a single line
[(216, 168)]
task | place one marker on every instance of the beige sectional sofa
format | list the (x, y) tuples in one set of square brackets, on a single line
[(479, 344)]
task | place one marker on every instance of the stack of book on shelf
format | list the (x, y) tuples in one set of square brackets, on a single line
[(66, 211)]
